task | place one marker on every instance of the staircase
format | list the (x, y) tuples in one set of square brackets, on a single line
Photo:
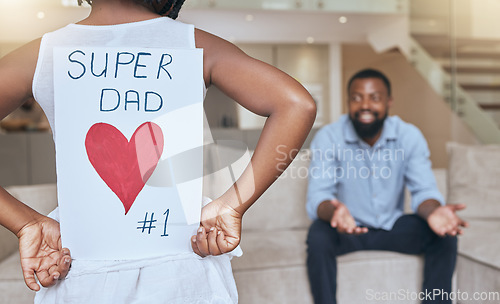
[(460, 91), (478, 74), (460, 37), (477, 68)]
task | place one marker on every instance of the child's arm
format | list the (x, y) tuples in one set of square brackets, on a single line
[(265, 91), (39, 236), (39, 242)]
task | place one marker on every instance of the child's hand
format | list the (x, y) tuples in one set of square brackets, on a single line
[(42, 253), (220, 230)]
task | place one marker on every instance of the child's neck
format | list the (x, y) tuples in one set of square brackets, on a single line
[(109, 12)]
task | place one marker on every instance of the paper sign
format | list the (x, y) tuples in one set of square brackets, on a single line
[(122, 115)]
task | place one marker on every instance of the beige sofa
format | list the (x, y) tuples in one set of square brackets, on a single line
[(474, 179), (272, 268)]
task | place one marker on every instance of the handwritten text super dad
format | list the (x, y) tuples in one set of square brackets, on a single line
[(142, 66)]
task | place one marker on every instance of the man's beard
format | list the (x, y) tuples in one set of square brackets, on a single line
[(367, 130)]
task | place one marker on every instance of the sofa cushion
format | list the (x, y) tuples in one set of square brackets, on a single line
[(273, 286), (271, 249), (15, 292), (12, 286), (473, 179), (42, 198), (379, 277), (477, 282), (480, 242), (272, 268), (8, 243), (283, 205), (288, 248), (11, 268), (478, 262)]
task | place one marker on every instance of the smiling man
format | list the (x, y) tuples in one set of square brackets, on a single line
[(359, 204)]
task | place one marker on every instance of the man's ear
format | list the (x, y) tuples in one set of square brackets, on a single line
[(389, 102)]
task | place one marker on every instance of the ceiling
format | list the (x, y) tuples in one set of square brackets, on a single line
[(286, 26), (21, 21)]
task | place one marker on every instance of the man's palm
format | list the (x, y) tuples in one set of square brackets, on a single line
[(444, 220), (344, 221)]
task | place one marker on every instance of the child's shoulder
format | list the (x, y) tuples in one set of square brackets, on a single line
[(18, 66), (25, 52), (211, 42), (218, 51)]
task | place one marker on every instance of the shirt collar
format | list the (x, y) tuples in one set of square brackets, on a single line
[(350, 134), (388, 131)]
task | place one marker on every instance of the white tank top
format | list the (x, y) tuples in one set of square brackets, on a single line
[(161, 32)]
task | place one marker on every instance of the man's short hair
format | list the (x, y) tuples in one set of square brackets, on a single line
[(370, 73)]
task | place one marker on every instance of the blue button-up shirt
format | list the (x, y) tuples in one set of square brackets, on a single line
[(370, 180)]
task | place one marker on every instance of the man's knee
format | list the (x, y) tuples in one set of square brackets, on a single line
[(411, 223), (447, 244), (321, 238)]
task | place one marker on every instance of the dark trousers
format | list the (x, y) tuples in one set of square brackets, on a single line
[(410, 235)]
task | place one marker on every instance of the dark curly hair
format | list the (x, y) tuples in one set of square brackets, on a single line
[(169, 8)]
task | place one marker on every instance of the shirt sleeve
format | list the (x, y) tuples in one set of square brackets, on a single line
[(322, 182), (419, 177)]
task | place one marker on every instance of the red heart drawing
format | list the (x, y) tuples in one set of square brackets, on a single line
[(125, 166)]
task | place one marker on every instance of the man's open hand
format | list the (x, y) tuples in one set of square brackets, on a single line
[(42, 253), (343, 220), (444, 220)]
